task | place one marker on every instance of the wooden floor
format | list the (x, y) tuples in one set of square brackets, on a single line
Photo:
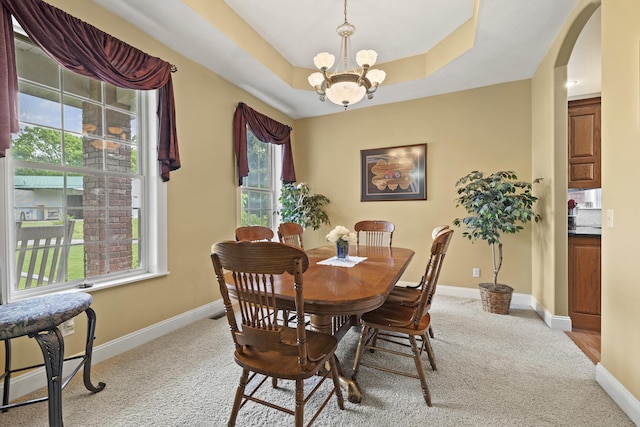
[(588, 342)]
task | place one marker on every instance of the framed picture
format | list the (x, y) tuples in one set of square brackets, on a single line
[(394, 173)]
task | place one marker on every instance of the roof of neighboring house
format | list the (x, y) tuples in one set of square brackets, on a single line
[(28, 182)]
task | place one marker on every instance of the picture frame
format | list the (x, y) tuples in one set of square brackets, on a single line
[(394, 173)]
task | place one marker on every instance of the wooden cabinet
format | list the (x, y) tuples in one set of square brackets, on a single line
[(584, 143), (584, 282)]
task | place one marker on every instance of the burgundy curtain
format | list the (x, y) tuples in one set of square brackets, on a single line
[(266, 130), (84, 49)]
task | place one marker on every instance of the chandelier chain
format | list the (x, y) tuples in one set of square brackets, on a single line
[(345, 11)]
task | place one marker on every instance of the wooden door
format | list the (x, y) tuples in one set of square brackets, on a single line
[(584, 282), (584, 143)]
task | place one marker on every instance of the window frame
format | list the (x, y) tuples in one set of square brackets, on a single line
[(153, 227)]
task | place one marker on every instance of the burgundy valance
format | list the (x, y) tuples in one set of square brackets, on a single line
[(266, 130), (86, 50)]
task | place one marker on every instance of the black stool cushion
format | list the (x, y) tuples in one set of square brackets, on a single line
[(40, 314)]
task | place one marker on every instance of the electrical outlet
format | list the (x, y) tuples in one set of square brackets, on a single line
[(67, 327), (476, 272)]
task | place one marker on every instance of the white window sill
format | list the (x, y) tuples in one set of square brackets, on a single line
[(119, 281), (95, 287)]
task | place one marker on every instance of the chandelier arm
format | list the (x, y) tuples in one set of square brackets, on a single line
[(363, 80), (327, 79)]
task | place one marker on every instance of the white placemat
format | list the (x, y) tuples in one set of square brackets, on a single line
[(339, 262)]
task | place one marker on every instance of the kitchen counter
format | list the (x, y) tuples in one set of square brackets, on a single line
[(586, 231)]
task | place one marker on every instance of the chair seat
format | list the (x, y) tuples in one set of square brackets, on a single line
[(32, 315), (397, 318), (275, 363)]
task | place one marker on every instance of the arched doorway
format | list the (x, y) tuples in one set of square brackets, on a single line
[(580, 53)]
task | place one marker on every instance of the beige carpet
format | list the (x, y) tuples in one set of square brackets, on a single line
[(493, 370)]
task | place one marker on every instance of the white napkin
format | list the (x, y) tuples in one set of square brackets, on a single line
[(341, 262)]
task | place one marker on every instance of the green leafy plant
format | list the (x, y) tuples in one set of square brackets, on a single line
[(298, 204), (496, 203)]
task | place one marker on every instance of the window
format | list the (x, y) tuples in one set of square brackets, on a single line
[(260, 189), (80, 164)]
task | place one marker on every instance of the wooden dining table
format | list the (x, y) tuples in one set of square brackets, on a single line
[(335, 296)]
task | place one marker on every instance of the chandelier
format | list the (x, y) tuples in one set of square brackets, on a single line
[(348, 84)]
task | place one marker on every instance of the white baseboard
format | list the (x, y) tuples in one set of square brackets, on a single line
[(560, 323), (517, 299), (625, 400), (36, 379)]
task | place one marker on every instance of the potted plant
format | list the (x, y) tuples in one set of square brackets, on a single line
[(298, 204), (496, 203)]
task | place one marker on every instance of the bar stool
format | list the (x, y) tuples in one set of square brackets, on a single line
[(39, 318)]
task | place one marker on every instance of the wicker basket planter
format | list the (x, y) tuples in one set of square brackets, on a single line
[(496, 298)]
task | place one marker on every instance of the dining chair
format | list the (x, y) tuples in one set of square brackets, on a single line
[(254, 233), (264, 347), (393, 324), (375, 232), (410, 295), (290, 233)]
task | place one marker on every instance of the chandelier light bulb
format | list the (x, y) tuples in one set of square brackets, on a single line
[(366, 57), (376, 76), (324, 60), (316, 79)]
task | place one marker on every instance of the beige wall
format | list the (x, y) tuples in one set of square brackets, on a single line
[(486, 128), (620, 154)]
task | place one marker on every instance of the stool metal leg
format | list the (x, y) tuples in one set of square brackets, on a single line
[(91, 328), (52, 346), (6, 376)]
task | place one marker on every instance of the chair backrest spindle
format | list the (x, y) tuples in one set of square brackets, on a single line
[(432, 273), (376, 232), (290, 233)]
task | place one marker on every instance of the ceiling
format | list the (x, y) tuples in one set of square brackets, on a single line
[(239, 39)]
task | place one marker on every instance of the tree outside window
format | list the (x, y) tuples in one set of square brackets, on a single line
[(259, 190)]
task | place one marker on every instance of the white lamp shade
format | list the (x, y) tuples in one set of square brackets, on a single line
[(324, 60), (315, 79), (345, 93), (366, 57), (376, 76)]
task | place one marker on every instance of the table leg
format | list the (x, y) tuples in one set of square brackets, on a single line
[(326, 325), (321, 323)]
